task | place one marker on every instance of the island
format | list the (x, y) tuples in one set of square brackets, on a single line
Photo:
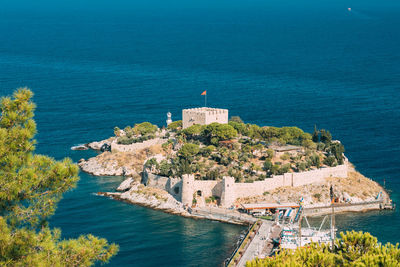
[(209, 166)]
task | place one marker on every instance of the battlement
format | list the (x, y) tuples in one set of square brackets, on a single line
[(203, 116)]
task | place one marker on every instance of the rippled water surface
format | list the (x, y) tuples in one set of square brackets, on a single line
[(293, 63)]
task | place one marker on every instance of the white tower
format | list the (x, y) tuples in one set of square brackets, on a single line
[(169, 120)]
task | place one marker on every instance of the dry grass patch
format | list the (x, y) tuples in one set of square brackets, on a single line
[(133, 160)]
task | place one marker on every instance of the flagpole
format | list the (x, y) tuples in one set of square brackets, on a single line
[(205, 100)]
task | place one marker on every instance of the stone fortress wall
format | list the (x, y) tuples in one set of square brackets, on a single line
[(115, 147), (228, 191), (203, 116)]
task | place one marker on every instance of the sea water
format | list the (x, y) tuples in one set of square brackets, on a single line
[(98, 65)]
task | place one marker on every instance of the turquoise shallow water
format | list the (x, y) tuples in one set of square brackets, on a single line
[(299, 63)]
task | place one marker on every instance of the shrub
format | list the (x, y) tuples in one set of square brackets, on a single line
[(193, 130), (145, 128), (267, 166), (188, 151), (270, 153), (326, 136), (212, 174), (301, 166), (206, 151), (315, 160), (285, 156), (219, 131), (124, 140), (235, 119), (175, 125), (351, 249), (275, 168), (330, 161), (317, 196), (150, 163), (165, 168), (284, 168), (128, 131)]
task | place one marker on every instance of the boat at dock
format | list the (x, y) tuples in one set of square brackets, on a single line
[(294, 236)]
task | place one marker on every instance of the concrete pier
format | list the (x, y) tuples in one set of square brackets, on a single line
[(256, 245)]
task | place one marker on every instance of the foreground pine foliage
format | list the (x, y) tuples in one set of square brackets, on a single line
[(31, 185), (351, 249)]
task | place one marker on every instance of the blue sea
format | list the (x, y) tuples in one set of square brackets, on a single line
[(94, 65)]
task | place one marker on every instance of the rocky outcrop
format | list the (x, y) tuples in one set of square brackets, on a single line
[(125, 185), (150, 197), (99, 144), (98, 168)]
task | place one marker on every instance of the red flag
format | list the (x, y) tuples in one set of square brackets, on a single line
[(204, 93)]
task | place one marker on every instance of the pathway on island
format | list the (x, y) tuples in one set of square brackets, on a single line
[(257, 244)]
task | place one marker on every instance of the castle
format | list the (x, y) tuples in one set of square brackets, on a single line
[(203, 116)]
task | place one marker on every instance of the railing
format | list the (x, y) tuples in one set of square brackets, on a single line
[(241, 248)]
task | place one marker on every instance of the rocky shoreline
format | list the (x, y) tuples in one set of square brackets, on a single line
[(129, 164), (135, 193)]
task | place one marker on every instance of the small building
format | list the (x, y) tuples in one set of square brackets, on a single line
[(280, 150), (203, 116), (285, 209)]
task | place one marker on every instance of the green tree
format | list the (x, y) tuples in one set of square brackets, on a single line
[(315, 160), (175, 125), (193, 130), (150, 163), (206, 151), (165, 168), (270, 153), (213, 174), (240, 127), (267, 166), (330, 161), (284, 168), (351, 249), (128, 131), (236, 119), (326, 136), (337, 149), (301, 166), (315, 135), (275, 169), (219, 131), (309, 144), (30, 187), (188, 151), (144, 128)]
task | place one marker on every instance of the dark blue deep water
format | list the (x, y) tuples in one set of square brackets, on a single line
[(96, 65)]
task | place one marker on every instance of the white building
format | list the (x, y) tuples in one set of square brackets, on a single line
[(169, 118), (203, 116)]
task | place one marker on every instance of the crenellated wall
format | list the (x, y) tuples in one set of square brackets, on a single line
[(228, 191)]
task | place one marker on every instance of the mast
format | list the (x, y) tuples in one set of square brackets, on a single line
[(333, 226), (301, 217)]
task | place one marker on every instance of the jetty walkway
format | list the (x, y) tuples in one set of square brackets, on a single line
[(257, 244)]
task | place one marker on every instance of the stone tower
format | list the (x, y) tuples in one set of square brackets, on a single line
[(228, 192), (187, 189), (169, 120)]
